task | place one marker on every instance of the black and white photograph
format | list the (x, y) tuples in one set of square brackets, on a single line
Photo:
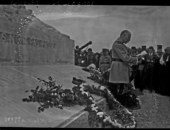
[(84, 66)]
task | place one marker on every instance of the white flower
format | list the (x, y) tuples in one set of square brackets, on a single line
[(100, 114), (102, 88), (81, 85), (106, 119), (94, 108), (86, 93), (85, 84), (91, 66), (126, 110), (90, 98), (117, 124), (63, 94), (133, 126), (81, 89), (109, 92), (83, 92), (92, 105), (114, 124)]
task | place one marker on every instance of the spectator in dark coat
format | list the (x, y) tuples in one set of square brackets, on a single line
[(90, 57), (96, 59)]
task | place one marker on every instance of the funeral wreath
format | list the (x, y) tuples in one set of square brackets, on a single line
[(49, 94)]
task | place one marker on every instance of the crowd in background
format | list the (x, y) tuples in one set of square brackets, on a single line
[(152, 73), (101, 60)]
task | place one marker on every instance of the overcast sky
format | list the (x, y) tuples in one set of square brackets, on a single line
[(101, 24)]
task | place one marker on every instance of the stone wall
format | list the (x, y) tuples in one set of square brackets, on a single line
[(24, 38)]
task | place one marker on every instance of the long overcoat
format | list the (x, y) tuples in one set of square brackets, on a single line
[(120, 71)]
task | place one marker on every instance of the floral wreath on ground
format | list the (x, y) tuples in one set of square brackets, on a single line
[(132, 101), (52, 95)]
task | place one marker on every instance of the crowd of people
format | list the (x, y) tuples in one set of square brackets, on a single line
[(149, 71), (101, 60)]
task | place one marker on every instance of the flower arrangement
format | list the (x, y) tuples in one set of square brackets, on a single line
[(120, 116), (98, 77), (131, 102), (52, 95)]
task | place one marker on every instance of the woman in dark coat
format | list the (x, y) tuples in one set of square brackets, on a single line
[(164, 81), (96, 59)]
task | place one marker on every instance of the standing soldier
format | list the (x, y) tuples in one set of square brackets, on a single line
[(90, 57), (96, 59), (105, 61), (139, 50), (121, 63), (144, 48)]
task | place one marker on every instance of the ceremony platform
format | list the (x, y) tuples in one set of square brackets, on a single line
[(16, 79)]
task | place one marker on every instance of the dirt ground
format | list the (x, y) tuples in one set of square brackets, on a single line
[(154, 113)]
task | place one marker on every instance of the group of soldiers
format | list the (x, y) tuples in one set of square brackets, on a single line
[(145, 67), (102, 60), (143, 75)]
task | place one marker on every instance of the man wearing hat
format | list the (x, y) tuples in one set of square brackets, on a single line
[(148, 70), (159, 50), (164, 82), (143, 48), (105, 61), (121, 63), (90, 57), (158, 69)]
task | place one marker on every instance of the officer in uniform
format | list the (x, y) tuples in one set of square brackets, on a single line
[(105, 61), (121, 63)]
